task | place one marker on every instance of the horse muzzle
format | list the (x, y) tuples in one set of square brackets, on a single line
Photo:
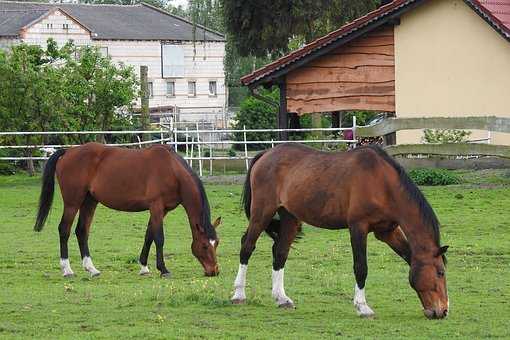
[(435, 313), (214, 272)]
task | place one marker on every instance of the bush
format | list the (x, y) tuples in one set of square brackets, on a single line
[(433, 177), (232, 153), (7, 168), (443, 136), (256, 114)]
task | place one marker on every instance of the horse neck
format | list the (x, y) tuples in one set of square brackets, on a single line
[(192, 202), (419, 235)]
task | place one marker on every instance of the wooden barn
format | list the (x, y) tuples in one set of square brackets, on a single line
[(411, 58)]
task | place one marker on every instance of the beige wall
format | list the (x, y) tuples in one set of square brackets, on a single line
[(450, 62)]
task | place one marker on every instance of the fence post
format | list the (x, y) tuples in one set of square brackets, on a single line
[(191, 152), (199, 153), (210, 159), (245, 148), (354, 130), (187, 151), (144, 94)]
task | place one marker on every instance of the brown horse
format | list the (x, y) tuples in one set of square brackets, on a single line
[(364, 190), (155, 179)]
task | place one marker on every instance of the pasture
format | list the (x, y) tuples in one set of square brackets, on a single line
[(36, 301)]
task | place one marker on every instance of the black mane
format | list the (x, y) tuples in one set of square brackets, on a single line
[(206, 210), (414, 194)]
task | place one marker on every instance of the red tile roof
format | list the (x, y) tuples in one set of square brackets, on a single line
[(495, 12)]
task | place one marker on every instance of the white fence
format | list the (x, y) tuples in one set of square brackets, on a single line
[(200, 145)]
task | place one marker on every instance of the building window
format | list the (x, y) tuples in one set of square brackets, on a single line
[(172, 61), (192, 88), (170, 89), (213, 88), (103, 51), (65, 26), (49, 26), (150, 87)]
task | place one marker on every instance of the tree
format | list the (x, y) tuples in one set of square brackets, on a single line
[(48, 89), (264, 28), (97, 90)]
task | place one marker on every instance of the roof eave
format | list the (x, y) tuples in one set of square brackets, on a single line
[(252, 80), (489, 18), (182, 19)]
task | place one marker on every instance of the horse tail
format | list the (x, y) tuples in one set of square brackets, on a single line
[(47, 189), (273, 229)]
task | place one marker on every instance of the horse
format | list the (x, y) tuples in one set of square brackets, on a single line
[(364, 190), (155, 179)]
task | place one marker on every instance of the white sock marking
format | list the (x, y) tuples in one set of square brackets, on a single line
[(278, 291), (240, 283), (360, 302), (144, 270), (65, 265), (89, 266)]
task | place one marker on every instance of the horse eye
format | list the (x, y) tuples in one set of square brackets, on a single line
[(440, 273)]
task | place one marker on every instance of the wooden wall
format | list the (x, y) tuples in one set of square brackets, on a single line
[(357, 76)]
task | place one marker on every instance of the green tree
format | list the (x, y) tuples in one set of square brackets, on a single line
[(256, 114), (264, 28), (99, 92)]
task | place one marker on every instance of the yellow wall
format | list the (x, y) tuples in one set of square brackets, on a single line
[(450, 62)]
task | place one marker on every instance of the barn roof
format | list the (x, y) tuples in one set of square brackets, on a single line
[(110, 22), (495, 12)]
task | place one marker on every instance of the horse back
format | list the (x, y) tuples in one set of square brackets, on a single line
[(120, 178), (323, 188)]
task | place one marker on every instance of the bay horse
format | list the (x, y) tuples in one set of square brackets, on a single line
[(364, 190), (155, 179)]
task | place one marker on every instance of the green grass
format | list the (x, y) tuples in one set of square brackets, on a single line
[(35, 301)]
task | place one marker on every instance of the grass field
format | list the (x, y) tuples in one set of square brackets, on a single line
[(35, 301)]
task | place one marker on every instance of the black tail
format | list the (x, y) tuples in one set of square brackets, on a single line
[(47, 190), (274, 226)]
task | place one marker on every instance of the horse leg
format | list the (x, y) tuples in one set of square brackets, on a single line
[(64, 229), (258, 222), (87, 210), (397, 241), (156, 225), (144, 270), (359, 253), (289, 226)]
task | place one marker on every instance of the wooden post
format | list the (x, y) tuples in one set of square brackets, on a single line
[(283, 116), (335, 119), (317, 123), (144, 97)]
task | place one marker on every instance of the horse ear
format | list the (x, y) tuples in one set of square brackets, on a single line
[(217, 222), (442, 250)]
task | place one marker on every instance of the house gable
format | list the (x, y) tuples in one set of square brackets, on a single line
[(56, 24)]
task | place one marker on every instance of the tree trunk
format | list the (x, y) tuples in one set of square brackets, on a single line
[(144, 93)]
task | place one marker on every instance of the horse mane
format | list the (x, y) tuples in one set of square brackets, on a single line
[(206, 209), (414, 194)]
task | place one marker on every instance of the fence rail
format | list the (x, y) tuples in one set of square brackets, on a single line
[(195, 145), (390, 125)]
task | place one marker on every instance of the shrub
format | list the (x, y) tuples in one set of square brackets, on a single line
[(232, 153), (433, 177), (256, 114), (445, 136)]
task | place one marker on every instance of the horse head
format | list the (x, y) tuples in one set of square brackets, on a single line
[(427, 277), (204, 249)]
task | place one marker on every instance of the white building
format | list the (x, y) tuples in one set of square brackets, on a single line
[(186, 74)]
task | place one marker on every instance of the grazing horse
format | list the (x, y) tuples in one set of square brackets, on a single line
[(364, 190), (155, 179)]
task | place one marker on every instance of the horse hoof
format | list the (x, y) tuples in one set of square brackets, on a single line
[(144, 273), (68, 275), (166, 275), (238, 301), (364, 311), (287, 305), (94, 274)]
